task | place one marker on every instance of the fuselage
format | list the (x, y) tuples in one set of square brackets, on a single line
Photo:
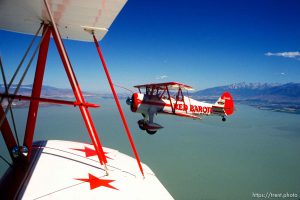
[(184, 106), (157, 99)]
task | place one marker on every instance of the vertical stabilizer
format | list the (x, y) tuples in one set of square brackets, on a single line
[(225, 104)]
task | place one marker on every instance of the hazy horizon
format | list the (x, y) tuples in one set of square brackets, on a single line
[(122, 90), (254, 151)]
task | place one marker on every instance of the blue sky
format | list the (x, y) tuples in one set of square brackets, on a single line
[(199, 43)]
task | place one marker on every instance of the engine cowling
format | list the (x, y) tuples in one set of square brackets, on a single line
[(134, 102)]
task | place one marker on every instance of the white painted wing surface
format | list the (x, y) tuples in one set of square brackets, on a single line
[(71, 16), (70, 170)]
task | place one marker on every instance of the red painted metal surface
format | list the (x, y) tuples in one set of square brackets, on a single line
[(79, 97), (229, 103), (48, 100), (118, 105), (36, 89), (7, 133)]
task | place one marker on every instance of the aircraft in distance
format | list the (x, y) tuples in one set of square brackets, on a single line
[(60, 169), (157, 98)]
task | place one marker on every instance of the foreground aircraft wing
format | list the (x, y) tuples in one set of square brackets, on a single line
[(71, 16), (70, 170), (170, 85)]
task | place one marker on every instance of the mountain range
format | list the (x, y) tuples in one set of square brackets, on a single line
[(47, 91)]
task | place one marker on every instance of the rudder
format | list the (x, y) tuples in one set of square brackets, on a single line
[(224, 105), (228, 103)]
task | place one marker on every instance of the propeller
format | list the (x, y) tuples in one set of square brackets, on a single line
[(129, 101)]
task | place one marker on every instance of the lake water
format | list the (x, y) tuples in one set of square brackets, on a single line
[(253, 152)]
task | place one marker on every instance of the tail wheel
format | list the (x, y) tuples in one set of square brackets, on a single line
[(150, 132), (223, 119)]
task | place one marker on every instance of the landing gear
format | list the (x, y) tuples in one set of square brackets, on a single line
[(150, 132), (223, 119), (141, 124), (150, 128)]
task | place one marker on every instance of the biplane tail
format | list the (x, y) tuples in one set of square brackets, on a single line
[(224, 105)]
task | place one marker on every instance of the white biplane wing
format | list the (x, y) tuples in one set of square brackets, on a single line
[(71, 16), (75, 174), (170, 85)]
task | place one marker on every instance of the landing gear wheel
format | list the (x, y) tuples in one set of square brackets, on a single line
[(150, 132), (142, 127), (141, 124), (223, 119)]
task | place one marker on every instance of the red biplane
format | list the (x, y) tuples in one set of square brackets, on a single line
[(157, 98)]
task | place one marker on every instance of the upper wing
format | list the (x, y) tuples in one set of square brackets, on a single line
[(170, 85), (71, 16)]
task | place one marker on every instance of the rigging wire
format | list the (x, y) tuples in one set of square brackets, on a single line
[(25, 55), (22, 79), (120, 86), (6, 161), (10, 109)]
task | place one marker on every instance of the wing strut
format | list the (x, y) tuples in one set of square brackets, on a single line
[(10, 109), (36, 88), (5, 128), (183, 100), (12, 145), (21, 80), (173, 110), (77, 91), (118, 104)]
